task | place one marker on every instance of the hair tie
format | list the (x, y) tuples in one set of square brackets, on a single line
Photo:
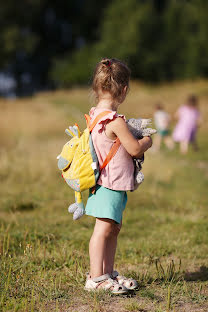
[(109, 63)]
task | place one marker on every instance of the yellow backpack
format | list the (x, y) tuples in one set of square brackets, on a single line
[(78, 162)]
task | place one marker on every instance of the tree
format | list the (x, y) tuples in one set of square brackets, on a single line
[(160, 40)]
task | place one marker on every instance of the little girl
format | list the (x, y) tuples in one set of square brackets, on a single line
[(110, 85), (189, 119), (162, 123)]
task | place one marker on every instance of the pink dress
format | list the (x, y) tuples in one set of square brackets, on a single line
[(185, 129), (119, 173)]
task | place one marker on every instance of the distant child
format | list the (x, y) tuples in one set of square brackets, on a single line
[(110, 85), (162, 123), (189, 119)]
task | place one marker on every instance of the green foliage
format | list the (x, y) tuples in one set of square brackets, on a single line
[(18, 31), (157, 44), (76, 70), (160, 40), (37, 28)]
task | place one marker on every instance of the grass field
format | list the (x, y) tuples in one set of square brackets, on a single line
[(44, 253)]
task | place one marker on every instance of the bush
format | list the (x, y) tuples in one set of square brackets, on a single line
[(166, 44)]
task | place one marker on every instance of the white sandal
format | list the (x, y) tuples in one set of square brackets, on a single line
[(129, 283), (112, 285)]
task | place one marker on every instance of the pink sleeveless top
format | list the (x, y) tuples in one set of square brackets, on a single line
[(119, 173)]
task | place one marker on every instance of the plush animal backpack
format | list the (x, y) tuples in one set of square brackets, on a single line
[(79, 164)]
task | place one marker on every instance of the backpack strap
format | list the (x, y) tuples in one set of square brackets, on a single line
[(111, 154), (116, 144), (95, 121)]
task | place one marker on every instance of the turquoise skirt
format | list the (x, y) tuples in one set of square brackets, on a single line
[(106, 203)]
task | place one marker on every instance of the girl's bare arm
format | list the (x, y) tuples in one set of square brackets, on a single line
[(118, 128)]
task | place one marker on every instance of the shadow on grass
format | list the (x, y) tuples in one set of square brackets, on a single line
[(25, 206), (200, 275)]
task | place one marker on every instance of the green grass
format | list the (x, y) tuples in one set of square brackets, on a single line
[(44, 253)]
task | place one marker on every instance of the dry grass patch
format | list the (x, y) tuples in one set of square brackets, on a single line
[(44, 254)]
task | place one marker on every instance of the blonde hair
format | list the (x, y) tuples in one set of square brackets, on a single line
[(111, 75)]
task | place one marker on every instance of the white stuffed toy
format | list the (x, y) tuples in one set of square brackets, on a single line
[(138, 128)]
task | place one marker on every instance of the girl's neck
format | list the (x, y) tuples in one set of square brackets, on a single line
[(107, 103)]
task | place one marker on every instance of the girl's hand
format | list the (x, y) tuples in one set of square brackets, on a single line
[(146, 143)]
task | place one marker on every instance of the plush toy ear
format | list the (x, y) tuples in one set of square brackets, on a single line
[(146, 122), (76, 131), (148, 132), (79, 132), (69, 132), (73, 131)]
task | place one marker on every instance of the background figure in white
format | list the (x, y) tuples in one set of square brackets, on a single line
[(162, 123)]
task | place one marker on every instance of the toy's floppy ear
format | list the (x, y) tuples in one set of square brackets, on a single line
[(69, 132), (73, 131), (76, 130), (146, 122), (148, 132)]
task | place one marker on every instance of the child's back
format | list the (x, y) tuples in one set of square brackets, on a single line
[(119, 173)]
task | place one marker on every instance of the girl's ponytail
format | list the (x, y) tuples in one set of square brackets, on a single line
[(111, 75)]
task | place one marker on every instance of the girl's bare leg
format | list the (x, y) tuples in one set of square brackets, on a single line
[(157, 142), (105, 231), (169, 142), (195, 145), (109, 256), (184, 147)]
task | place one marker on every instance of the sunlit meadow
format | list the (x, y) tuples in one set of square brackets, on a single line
[(164, 239)]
